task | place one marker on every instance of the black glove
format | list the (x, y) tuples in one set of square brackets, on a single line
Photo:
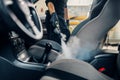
[(67, 22), (55, 23)]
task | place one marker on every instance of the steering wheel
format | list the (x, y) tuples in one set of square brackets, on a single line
[(21, 16)]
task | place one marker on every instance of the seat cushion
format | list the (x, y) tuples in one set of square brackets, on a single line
[(69, 69)]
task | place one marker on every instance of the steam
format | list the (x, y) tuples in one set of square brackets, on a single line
[(74, 46), (73, 50), (70, 49)]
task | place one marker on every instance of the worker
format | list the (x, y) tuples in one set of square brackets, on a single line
[(55, 14)]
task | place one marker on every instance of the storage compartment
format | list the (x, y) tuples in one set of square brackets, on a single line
[(105, 63)]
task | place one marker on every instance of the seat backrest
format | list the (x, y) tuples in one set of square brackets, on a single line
[(96, 8), (92, 33)]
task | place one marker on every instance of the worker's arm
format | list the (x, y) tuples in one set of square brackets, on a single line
[(51, 7), (54, 18), (66, 15)]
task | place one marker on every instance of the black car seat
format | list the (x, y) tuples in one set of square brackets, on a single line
[(95, 10), (92, 33), (69, 69)]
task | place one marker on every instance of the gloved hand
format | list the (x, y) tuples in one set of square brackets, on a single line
[(55, 23), (67, 22)]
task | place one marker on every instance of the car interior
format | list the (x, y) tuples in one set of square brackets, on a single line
[(26, 55)]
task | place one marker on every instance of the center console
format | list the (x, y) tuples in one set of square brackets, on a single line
[(19, 63)]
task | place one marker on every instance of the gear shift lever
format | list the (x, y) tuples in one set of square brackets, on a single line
[(48, 48)]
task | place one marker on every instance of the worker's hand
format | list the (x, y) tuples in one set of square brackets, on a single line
[(67, 22), (55, 23), (54, 20)]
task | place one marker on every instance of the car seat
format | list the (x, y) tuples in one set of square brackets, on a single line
[(93, 31)]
